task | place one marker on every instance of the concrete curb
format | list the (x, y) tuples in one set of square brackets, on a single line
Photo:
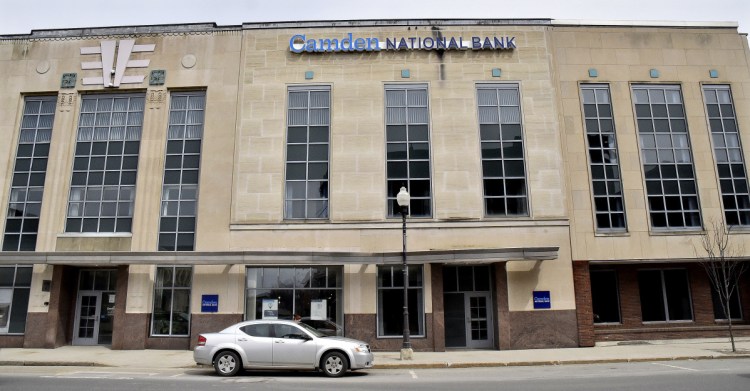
[(550, 362), (430, 365)]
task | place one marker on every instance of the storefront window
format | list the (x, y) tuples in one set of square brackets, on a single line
[(312, 295), (15, 282), (391, 301), (172, 301)]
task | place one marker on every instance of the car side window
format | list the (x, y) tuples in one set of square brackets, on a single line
[(289, 331), (257, 330)]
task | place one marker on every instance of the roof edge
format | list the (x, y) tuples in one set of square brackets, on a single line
[(643, 23)]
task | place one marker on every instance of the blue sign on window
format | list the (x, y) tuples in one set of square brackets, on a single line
[(210, 303), (542, 300)]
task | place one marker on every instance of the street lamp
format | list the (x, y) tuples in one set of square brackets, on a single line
[(402, 198)]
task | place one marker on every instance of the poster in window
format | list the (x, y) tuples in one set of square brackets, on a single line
[(270, 309), (318, 309), (5, 297)]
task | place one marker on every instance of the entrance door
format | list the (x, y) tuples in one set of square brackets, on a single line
[(468, 307), (478, 320), (94, 318), (95, 308)]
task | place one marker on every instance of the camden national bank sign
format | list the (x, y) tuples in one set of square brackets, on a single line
[(300, 43)]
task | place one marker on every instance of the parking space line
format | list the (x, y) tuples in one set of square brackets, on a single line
[(676, 367), (413, 375)]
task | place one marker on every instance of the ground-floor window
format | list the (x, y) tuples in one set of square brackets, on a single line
[(605, 296), (311, 294), (171, 315), (391, 301), (665, 295), (735, 308), (15, 283)]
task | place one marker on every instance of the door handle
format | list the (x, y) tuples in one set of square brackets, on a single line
[(278, 341), (242, 339)]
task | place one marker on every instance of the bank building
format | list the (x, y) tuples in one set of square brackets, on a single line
[(157, 182)]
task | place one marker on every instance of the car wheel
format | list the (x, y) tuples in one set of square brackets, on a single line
[(227, 363), (334, 364)]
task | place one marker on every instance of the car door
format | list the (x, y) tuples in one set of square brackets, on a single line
[(257, 342), (293, 347)]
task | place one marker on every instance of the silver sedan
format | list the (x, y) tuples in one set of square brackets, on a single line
[(280, 344)]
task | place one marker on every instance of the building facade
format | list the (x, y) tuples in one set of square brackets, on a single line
[(163, 181)]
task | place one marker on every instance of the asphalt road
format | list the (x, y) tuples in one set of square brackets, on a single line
[(725, 375)]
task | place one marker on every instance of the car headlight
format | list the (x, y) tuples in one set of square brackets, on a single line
[(363, 348)]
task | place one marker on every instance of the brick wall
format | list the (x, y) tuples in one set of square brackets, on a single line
[(703, 324), (584, 310)]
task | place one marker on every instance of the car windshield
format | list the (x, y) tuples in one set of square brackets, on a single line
[(311, 330)]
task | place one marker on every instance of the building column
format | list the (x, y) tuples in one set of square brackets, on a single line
[(584, 309), (438, 307), (503, 313)]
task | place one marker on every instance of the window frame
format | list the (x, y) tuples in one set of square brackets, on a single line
[(616, 291), (606, 184), (307, 200), (393, 184), (23, 228), (177, 133), (172, 288), (664, 298), (15, 287), (734, 179), (421, 317), (648, 153), (525, 198), (84, 184)]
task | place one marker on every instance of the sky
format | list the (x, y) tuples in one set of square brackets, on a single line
[(22, 16)]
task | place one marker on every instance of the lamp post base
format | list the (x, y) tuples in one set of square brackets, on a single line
[(406, 353)]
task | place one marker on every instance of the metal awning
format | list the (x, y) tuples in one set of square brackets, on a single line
[(463, 256)]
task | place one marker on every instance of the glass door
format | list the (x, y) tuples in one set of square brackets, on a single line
[(478, 320), (87, 318), (95, 307)]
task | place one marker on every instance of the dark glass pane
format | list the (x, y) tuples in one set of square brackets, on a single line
[(318, 152), (650, 290), (297, 134), (494, 187), (123, 225), (397, 170), (492, 168), (396, 151), (173, 161), (167, 242), (489, 132), (99, 148), (318, 134), (317, 171), (115, 148), (491, 151), (514, 168), (678, 295), (517, 206), (18, 314), (419, 188), (605, 297), (419, 208), (512, 150), (419, 151), (495, 206), (396, 133), (296, 153), (511, 132), (417, 133), (419, 169)]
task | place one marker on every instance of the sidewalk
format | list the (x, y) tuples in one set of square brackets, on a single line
[(607, 352)]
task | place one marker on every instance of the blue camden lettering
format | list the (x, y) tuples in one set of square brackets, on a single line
[(299, 43)]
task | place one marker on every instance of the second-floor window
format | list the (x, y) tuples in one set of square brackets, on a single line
[(667, 160), (407, 133), (102, 190), (609, 204), (730, 162), (307, 141), (503, 169)]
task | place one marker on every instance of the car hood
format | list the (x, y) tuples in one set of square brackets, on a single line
[(344, 339)]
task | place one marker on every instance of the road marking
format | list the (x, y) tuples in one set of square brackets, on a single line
[(676, 367), (413, 375), (177, 375)]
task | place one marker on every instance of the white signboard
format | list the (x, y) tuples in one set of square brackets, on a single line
[(318, 310), (270, 309)]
